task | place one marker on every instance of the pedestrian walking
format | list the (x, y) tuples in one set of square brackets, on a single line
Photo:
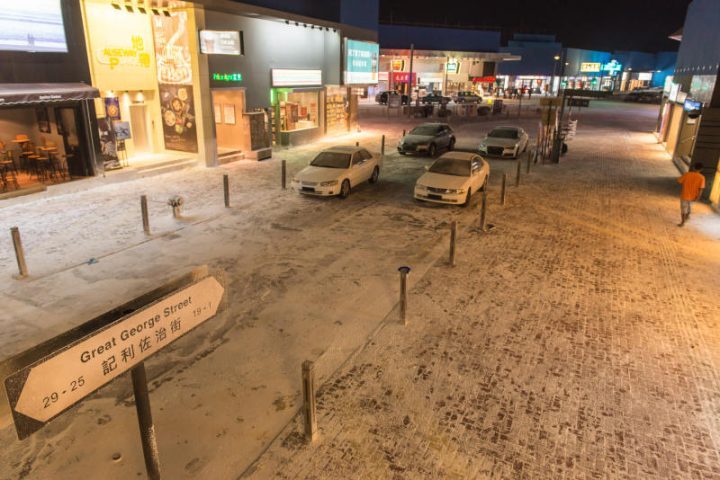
[(693, 184)]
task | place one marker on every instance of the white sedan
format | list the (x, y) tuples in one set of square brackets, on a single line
[(336, 171), (505, 142), (453, 178)]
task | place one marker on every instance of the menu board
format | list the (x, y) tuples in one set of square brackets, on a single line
[(178, 113), (220, 42)]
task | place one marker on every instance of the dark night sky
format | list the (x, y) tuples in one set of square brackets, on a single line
[(595, 24)]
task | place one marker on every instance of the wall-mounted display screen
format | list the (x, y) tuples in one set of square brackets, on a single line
[(361, 62), (32, 26), (220, 42)]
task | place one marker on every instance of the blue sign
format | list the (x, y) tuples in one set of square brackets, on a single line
[(691, 105), (612, 68), (361, 62)]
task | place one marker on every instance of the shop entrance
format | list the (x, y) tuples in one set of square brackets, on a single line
[(138, 124), (232, 128)]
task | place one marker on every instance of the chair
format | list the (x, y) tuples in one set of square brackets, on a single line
[(8, 171)]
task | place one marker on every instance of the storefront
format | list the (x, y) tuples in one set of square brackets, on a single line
[(45, 134), (141, 60), (296, 100), (361, 65)]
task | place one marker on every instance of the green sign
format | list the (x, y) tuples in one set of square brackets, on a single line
[(361, 62), (227, 77)]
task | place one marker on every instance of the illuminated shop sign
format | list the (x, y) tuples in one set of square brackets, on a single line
[(488, 79), (613, 67), (220, 42), (361, 62), (590, 67), (397, 65), (227, 77), (691, 105), (453, 66), (296, 78), (674, 92)]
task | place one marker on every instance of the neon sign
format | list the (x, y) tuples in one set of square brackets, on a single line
[(227, 77), (613, 67)]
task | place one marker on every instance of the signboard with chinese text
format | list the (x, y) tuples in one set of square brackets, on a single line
[(361, 62), (397, 65), (590, 67), (227, 77), (43, 390), (220, 42)]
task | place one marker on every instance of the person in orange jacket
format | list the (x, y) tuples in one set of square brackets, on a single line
[(693, 184)]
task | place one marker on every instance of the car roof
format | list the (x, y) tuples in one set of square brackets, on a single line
[(432, 124), (467, 156), (344, 149), (506, 127)]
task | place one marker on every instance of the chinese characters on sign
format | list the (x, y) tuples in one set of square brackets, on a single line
[(45, 389), (227, 77), (361, 62)]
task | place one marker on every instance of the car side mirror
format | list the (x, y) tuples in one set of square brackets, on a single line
[(427, 168)]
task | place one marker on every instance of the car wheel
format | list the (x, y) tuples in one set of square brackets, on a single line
[(375, 175), (451, 145), (345, 189), (467, 198), (432, 150)]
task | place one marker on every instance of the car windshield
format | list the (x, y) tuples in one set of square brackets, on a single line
[(424, 130), (451, 166), (503, 133), (331, 160)]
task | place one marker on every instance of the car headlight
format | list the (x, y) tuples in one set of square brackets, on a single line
[(420, 187), (329, 183), (456, 192)]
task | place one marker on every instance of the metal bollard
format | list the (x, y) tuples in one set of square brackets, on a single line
[(453, 241), (357, 144), (19, 252), (483, 211), (529, 157), (145, 215), (382, 146), (403, 132), (145, 422), (283, 173), (226, 189), (309, 410), (404, 272), (503, 189), (517, 177)]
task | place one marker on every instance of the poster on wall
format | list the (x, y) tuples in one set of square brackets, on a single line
[(112, 108), (108, 152), (178, 113), (229, 113), (172, 49), (43, 120), (122, 130)]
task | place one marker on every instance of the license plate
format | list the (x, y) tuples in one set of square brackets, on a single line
[(434, 197), (308, 189)]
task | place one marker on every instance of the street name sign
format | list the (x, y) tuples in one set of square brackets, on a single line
[(44, 389)]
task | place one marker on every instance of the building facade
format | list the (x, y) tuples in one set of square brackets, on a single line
[(689, 125)]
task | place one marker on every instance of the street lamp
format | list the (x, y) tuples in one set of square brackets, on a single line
[(555, 66)]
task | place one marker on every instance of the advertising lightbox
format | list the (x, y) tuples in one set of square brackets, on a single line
[(220, 42), (361, 62), (590, 67), (32, 26), (282, 77)]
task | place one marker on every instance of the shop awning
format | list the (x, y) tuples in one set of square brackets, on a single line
[(34, 93)]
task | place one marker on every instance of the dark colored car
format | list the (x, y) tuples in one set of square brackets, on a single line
[(650, 95), (382, 98), (434, 97), (467, 97), (427, 138)]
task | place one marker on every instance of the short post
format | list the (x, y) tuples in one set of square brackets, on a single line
[(403, 132), (404, 272), (283, 173), (529, 158), (145, 216), (517, 177), (310, 413), (503, 189), (382, 146), (483, 211), (19, 252), (357, 144), (226, 189), (453, 240), (147, 428)]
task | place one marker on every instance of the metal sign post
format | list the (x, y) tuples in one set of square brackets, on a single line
[(50, 378)]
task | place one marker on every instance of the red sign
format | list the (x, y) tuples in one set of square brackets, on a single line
[(403, 77), (488, 79)]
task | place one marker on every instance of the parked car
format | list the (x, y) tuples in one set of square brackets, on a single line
[(504, 142), (645, 95), (453, 178), (467, 97), (336, 171), (382, 97), (435, 97), (427, 138)]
